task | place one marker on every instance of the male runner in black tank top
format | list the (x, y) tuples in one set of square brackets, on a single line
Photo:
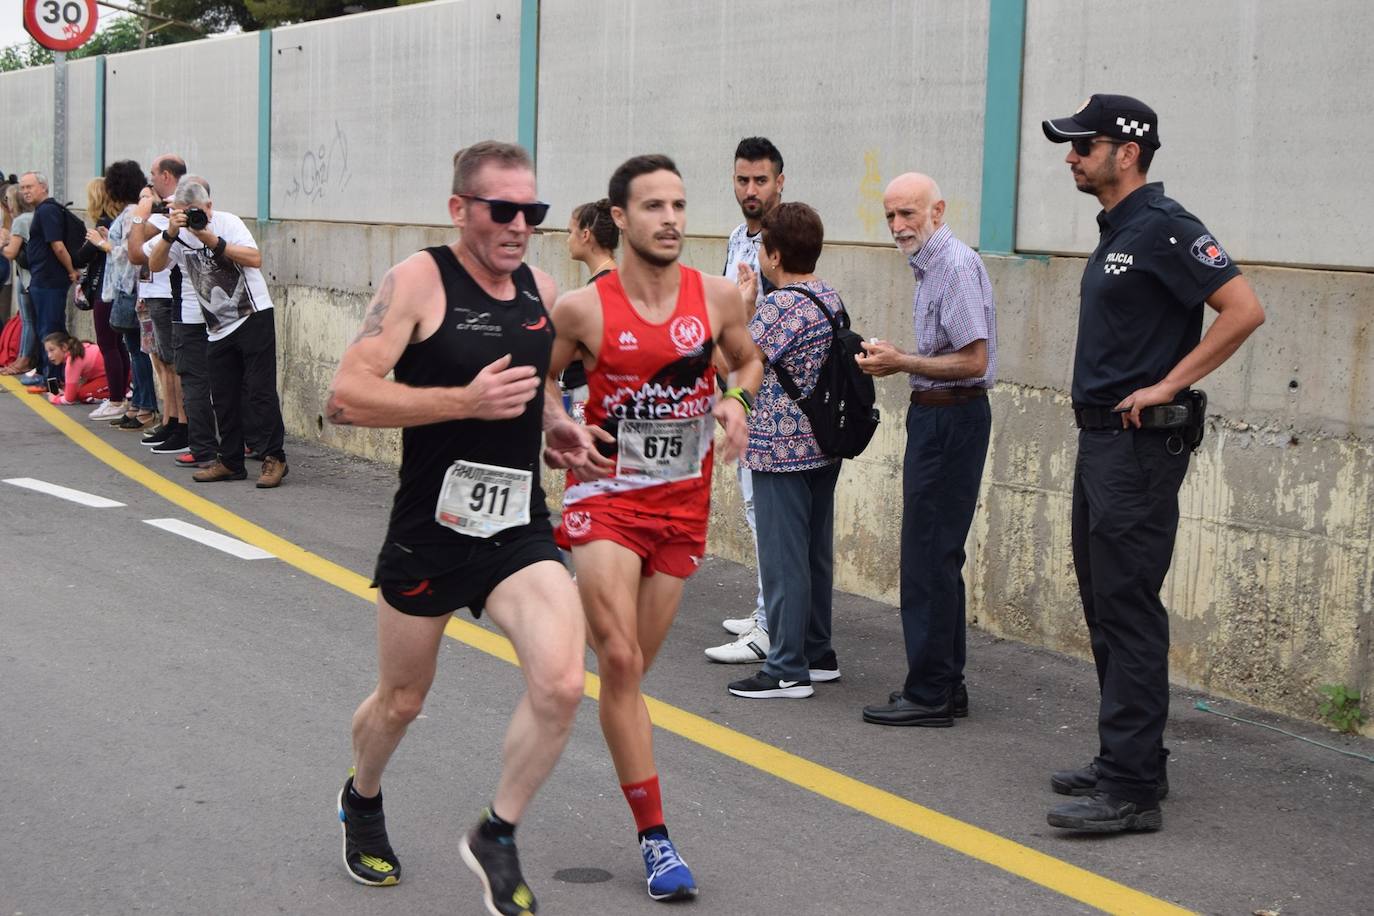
[(465, 329)]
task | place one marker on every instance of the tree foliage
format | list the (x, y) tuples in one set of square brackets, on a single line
[(210, 17)]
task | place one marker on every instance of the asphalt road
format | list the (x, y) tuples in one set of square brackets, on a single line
[(174, 730)]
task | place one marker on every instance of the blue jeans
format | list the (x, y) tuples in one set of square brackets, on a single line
[(50, 314), (797, 564), (941, 473)]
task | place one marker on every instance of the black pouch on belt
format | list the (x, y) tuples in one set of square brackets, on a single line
[(1187, 414)]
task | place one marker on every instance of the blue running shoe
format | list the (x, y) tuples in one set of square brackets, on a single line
[(669, 877)]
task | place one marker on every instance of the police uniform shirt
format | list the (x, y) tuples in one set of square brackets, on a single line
[(1141, 297)]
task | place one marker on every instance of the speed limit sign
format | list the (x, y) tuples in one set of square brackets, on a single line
[(60, 25)]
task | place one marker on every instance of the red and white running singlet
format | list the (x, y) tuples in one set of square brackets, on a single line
[(653, 389)]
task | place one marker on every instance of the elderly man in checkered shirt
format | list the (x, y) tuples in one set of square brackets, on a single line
[(947, 427)]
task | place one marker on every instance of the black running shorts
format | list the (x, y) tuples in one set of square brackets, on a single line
[(489, 563)]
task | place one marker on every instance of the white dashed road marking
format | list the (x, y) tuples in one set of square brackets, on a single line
[(210, 538), (52, 489)]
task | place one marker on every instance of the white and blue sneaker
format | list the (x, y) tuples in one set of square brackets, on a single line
[(668, 876)]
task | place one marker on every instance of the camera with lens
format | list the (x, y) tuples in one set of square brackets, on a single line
[(196, 219)]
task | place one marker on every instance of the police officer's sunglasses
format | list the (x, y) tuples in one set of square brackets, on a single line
[(1083, 146), (503, 211)]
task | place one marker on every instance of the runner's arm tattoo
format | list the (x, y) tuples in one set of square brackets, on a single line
[(376, 312)]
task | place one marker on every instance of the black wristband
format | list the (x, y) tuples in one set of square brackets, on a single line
[(219, 247), (169, 239)]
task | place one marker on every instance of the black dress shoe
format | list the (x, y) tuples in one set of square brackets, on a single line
[(1103, 813), (1083, 781), (958, 707), (902, 711)]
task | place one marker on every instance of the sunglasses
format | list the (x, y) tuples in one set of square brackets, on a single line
[(1083, 146), (503, 211)]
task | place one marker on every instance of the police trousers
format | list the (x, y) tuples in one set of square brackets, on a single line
[(1125, 518)]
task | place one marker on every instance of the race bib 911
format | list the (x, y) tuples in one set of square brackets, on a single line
[(481, 499)]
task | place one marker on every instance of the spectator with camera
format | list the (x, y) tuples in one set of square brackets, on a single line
[(217, 253)]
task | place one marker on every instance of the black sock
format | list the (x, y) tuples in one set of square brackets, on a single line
[(494, 827), (362, 802), (658, 830)]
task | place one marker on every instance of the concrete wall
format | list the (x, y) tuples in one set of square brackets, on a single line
[(26, 141), (1260, 115), (1270, 590), (852, 94), (368, 110), (199, 100), (80, 128)]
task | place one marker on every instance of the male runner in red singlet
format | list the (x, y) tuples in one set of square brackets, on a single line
[(635, 517), (464, 328)]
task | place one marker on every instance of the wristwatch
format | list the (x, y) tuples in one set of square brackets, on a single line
[(137, 220)]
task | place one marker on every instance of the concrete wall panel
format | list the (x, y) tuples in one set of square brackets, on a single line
[(852, 94), (368, 110), (80, 128), (199, 100), (26, 141), (1260, 116)]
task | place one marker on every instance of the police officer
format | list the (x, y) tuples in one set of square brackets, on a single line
[(1140, 346)]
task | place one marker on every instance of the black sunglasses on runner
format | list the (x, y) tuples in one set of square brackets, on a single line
[(1083, 146), (503, 211)]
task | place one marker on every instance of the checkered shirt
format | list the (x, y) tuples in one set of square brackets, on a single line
[(952, 307)]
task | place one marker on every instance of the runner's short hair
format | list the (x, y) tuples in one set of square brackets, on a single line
[(468, 161), (794, 232), (619, 191), (752, 149)]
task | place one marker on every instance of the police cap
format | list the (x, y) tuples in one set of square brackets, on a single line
[(1118, 116)]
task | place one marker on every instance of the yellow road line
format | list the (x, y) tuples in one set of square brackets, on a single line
[(985, 846)]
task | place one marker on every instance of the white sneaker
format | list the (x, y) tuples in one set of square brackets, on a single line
[(739, 625), (751, 648), (107, 410)]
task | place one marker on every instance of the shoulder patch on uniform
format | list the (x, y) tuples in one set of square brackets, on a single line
[(1209, 251)]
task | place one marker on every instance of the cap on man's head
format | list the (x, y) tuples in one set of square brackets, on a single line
[(1117, 116)]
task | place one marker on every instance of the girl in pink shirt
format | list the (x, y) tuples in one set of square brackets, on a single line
[(85, 369)]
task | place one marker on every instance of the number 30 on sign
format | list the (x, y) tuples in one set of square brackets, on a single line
[(60, 25)]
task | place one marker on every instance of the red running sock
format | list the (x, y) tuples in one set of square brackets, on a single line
[(645, 803)]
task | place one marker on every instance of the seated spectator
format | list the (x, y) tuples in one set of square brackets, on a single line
[(83, 369), (794, 481)]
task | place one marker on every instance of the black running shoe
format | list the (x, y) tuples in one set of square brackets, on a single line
[(366, 851), (498, 865)]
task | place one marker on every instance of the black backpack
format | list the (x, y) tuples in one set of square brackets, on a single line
[(73, 229), (841, 406)]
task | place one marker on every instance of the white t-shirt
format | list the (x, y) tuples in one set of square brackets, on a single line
[(228, 293), (744, 248), (159, 285), (190, 308)]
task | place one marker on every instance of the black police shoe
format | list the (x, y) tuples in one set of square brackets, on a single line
[(1103, 813), (902, 711), (958, 707), (1083, 781)]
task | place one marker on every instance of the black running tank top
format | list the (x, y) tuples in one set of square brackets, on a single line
[(476, 330)]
